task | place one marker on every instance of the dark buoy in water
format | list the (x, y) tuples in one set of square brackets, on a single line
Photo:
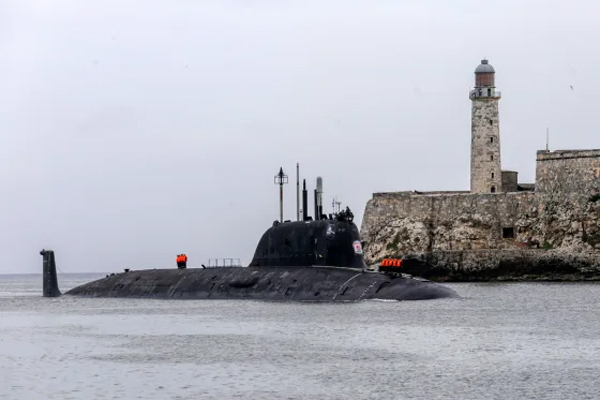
[(49, 275)]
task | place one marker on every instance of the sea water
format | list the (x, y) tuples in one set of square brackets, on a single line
[(498, 341)]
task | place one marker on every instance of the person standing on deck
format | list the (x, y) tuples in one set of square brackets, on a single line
[(184, 259)]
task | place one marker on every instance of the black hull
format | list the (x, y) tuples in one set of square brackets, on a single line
[(262, 283)]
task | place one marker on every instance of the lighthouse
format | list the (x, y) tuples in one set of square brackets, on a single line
[(486, 174)]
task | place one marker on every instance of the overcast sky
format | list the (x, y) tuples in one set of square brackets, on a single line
[(131, 131)]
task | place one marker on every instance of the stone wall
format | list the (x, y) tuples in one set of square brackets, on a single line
[(563, 213), (396, 224), (510, 181), (504, 265), (567, 171)]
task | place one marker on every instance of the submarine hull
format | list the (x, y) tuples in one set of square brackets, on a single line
[(299, 261), (264, 283)]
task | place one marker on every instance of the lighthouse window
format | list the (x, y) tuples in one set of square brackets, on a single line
[(492, 157), (493, 189), (491, 140), (491, 122), (492, 175)]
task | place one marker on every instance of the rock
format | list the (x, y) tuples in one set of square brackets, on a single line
[(503, 265), (459, 223)]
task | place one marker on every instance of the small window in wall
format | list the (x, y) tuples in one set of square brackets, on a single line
[(492, 157), (508, 233), (493, 190), (492, 139), (492, 175), (491, 122)]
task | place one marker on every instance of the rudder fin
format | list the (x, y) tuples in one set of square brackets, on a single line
[(50, 277)]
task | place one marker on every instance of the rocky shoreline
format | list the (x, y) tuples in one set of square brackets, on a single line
[(504, 265)]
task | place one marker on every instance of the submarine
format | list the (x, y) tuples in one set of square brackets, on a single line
[(318, 260)]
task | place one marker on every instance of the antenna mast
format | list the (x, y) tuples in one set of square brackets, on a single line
[(297, 192), (280, 179)]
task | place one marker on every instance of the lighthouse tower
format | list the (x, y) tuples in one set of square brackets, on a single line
[(486, 175)]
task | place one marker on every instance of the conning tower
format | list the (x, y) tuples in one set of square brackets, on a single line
[(331, 242), (486, 174)]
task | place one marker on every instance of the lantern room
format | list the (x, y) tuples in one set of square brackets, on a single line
[(484, 74)]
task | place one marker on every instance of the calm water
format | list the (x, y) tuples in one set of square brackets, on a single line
[(500, 341)]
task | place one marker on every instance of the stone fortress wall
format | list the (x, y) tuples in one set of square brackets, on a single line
[(561, 211), (566, 171), (406, 222)]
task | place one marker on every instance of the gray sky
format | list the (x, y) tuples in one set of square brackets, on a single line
[(132, 131)]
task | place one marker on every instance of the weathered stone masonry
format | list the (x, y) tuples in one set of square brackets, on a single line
[(486, 175), (553, 225), (566, 171), (563, 214), (395, 224)]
